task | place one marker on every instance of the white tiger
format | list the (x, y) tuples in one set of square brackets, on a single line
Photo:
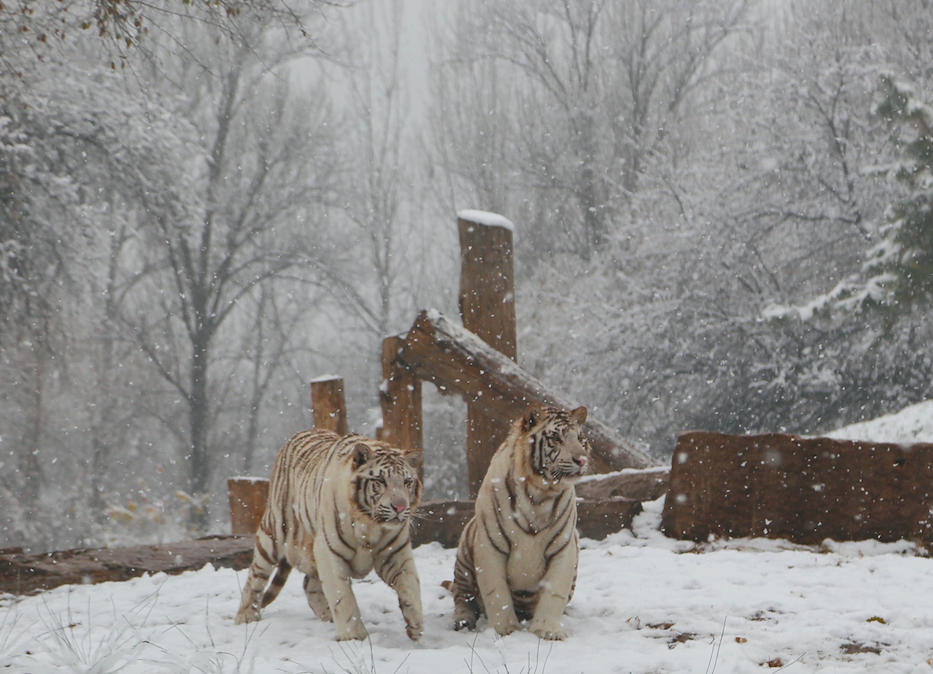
[(517, 557), (338, 508)]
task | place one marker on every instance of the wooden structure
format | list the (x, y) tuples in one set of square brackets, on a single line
[(328, 406), (400, 400), (487, 308), (801, 489), (476, 362), (458, 362), (24, 573), (248, 497)]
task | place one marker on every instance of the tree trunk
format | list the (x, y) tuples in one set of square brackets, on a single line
[(199, 411)]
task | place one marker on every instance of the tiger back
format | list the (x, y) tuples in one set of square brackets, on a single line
[(338, 508), (517, 557)]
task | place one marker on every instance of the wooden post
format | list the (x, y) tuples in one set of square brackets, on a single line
[(328, 407), (248, 496), (487, 307), (400, 399)]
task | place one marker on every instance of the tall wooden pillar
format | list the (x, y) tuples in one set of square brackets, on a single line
[(487, 306), (328, 407), (400, 399)]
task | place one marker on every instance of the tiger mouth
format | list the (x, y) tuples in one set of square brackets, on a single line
[(389, 516)]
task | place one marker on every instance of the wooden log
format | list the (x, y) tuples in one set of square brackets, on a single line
[(248, 497), (457, 361), (400, 400), (328, 407), (442, 521), (597, 519), (641, 485), (487, 307), (801, 489), (26, 573)]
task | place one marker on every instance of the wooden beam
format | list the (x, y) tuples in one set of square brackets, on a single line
[(457, 361), (328, 407), (487, 307)]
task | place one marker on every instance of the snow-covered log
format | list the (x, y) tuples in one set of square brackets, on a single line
[(457, 361)]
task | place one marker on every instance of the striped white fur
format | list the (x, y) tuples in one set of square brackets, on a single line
[(517, 558), (338, 508)]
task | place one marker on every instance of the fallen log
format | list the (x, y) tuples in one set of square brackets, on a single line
[(641, 485), (457, 361), (442, 521), (22, 573)]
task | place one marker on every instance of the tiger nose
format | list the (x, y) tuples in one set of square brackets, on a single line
[(580, 460), (399, 507)]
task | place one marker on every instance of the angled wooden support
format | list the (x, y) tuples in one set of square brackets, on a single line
[(457, 361), (328, 406)]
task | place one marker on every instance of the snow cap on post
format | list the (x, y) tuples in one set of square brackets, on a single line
[(486, 218)]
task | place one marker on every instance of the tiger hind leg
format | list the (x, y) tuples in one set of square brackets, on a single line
[(466, 613), (314, 591), (467, 602), (259, 571)]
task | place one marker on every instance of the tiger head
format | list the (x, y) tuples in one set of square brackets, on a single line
[(558, 449), (386, 479)]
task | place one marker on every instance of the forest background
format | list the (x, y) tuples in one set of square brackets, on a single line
[(721, 216)]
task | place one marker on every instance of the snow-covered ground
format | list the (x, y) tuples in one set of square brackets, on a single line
[(643, 604)]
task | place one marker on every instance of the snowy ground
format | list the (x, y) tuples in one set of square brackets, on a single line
[(644, 604)]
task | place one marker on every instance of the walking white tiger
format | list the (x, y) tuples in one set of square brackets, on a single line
[(517, 557), (338, 508)]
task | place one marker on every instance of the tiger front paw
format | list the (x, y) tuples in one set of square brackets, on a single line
[(547, 633), (414, 631), (506, 628), (353, 631)]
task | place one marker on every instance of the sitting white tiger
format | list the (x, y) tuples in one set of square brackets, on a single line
[(338, 508), (517, 558)]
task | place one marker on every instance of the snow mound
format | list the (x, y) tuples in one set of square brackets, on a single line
[(911, 425)]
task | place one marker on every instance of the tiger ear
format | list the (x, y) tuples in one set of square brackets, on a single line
[(532, 415), (579, 414), (414, 458), (361, 454)]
